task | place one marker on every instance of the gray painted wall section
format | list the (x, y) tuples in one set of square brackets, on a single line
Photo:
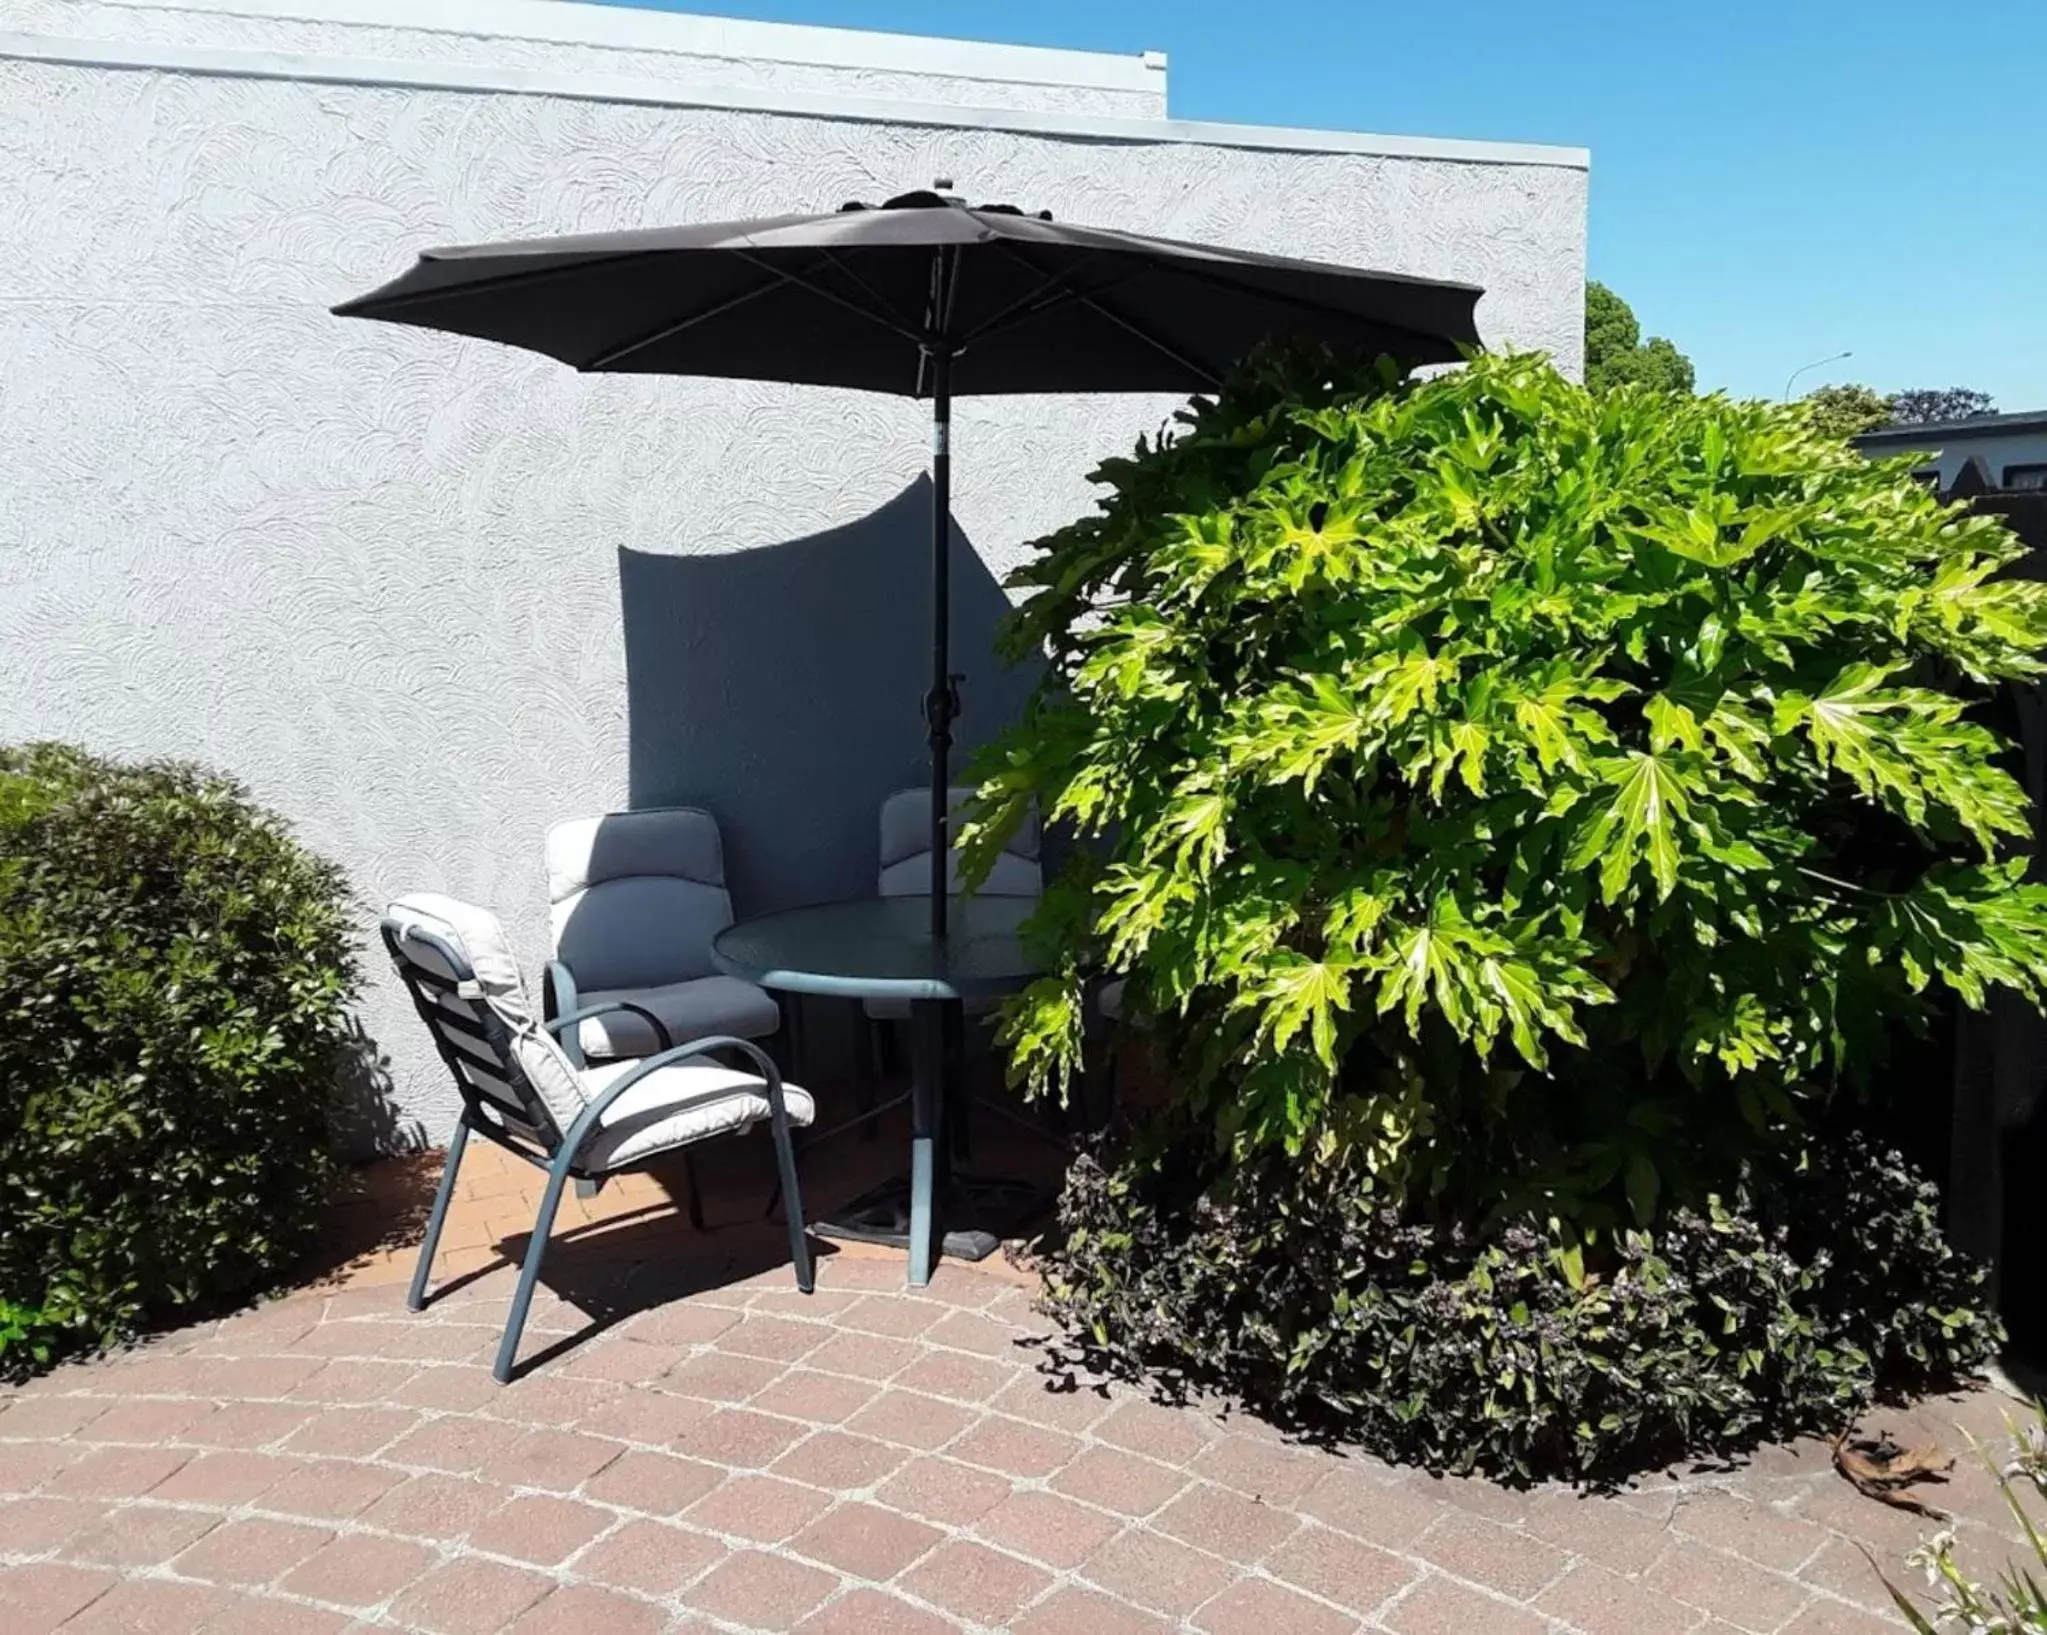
[(427, 596)]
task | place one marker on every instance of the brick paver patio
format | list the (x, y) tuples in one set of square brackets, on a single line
[(701, 1448)]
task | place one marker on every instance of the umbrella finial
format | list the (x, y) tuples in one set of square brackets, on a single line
[(940, 183)]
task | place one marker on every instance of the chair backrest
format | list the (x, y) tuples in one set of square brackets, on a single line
[(637, 896), (459, 969), (906, 850)]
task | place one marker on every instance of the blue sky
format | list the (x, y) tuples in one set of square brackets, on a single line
[(1771, 182)]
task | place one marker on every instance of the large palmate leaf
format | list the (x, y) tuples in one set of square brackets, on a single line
[(1576, 776)]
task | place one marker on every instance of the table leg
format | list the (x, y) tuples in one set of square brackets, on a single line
[(927, 1120)]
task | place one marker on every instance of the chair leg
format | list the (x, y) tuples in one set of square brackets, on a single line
[(696, 1188), (415, 1298), (529, 1273), (799, 1245)]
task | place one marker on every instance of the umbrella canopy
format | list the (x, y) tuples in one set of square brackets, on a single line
[(922, 297), (866, 298)]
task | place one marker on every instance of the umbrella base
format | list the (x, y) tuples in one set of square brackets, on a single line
[(978, 1212)]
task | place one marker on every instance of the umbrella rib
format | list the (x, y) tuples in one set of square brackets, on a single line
[(1042, 299), (885, 320), (1300, 303), (361, 306), (777, 277), (1164, 348)]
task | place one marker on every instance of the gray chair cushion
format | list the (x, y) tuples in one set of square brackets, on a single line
[(637, 896), (689, 1010)]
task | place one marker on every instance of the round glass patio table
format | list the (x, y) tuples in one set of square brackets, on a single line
[(882, 948)]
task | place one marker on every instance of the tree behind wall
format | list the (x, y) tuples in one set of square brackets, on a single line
[(1616, 354), (1934, 405)]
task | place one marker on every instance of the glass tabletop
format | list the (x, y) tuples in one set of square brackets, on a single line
[(882, 948)]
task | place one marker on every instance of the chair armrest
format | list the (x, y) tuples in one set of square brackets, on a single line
[(664, 1040), (557, 998), (587, 1120)]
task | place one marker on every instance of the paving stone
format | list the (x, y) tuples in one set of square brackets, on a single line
[(955, 1376), (886, 1314), (1838, 1618), (1072, 1611), (1754, 1532), (1119, 1481), (717, 1377), (1156, 1572), (865, 1541), (1273, 1473), (456, 1442), (1042, 1401), (1597, 1601), (760, 1590), (229, 1477), (138, 1535), (1597, 1528), (1257, 1606), (979, 1584), (872, 1612), (149, 1606), (836, 1460), (776, 1339), (651, 1557), (1169, 1435), (469, 1597), (434, 1506), (864, 1356), (1340, 1568), (580, 1609), (256, 1614), (349, 1433), (358, 1570), (1487, 1553), (557, 1460), (25, 1466), (37, 1523), (816, 1398), (334, 1490), (42, 1595), (943, 1491), (1013, 1447), (1225, 1524), (739, 1437), (765, 1509), (1438, 1607), (40, 1417), (544, 1531), (1747, 1596), (911, 1419), (647, 1416), (659, 1484), (250, 1552), (116, 1473), (150, 1420), (249, 1424), (1048, 1528)]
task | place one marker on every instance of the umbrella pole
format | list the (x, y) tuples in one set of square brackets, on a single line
[(941, 706)]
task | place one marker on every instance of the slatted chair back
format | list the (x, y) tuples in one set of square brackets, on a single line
[(458, 967)]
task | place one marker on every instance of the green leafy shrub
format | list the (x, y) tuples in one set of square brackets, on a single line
[(1539, 801), (174, 972), (1505, 1351), (2017, 1603)]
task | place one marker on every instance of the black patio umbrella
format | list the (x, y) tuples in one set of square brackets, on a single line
[(920, 296)]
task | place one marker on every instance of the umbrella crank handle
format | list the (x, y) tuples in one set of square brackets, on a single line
[(942, 708)]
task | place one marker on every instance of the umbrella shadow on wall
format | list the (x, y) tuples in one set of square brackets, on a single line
[(781, 689)]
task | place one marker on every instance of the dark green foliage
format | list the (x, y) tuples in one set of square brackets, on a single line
[(1934, 405), (1779, 1312), (1616, 354), (174, 973)]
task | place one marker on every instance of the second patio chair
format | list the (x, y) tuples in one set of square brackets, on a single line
[(637, 898), (520, 1089)]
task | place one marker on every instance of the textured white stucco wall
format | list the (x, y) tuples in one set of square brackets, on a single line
[(374, 572)]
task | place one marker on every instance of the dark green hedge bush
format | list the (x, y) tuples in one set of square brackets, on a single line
[(1780, 1310), (174, 976)]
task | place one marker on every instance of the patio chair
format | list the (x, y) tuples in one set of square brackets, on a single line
[(637, 898), (520, 1089), (906, 872)]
